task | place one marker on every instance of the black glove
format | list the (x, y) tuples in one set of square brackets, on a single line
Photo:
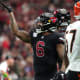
[(8, 8), (59, 76)]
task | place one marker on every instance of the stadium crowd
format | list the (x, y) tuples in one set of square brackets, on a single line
[(25, 11)]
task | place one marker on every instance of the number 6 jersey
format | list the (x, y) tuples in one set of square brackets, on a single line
[(73, 46), (45, 54)]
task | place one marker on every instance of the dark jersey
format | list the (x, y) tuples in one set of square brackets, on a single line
[(45, 54)]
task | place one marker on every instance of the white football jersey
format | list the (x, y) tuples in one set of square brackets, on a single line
[(3, 67), (73, 46)]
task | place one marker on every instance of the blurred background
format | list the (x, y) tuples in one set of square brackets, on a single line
[(25, 12)]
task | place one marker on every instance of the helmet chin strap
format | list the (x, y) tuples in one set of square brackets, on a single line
[(52, 29), (38, 31)]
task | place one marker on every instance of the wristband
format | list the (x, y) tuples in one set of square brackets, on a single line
[(9, 9)]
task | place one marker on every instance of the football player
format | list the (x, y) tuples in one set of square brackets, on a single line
[(64, 20), (73, 46), (4, 67), (47, 44)]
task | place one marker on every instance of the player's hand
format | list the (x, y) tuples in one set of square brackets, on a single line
[(59, 76), (9, 9)]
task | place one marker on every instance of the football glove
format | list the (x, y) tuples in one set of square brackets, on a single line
[(9, 9), (59, 76)]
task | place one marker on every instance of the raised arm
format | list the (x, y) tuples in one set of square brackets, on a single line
[(23, 35)]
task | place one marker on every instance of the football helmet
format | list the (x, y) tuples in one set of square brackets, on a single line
[(64, 19), (77, 10), (46, 22)]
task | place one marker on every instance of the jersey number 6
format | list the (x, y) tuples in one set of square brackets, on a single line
[(40, 49)]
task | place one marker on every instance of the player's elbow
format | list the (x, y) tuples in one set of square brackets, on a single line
[(15, 33)]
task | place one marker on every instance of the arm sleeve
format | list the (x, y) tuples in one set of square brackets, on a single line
[(60, 39)]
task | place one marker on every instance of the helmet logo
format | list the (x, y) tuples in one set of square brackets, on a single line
[(49, 21), (53, 19)]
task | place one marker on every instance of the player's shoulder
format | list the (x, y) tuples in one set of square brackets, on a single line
[(57, 35), (76, 22), (74, 25)]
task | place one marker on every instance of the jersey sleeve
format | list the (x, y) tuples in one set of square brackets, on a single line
[(60, 39)]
